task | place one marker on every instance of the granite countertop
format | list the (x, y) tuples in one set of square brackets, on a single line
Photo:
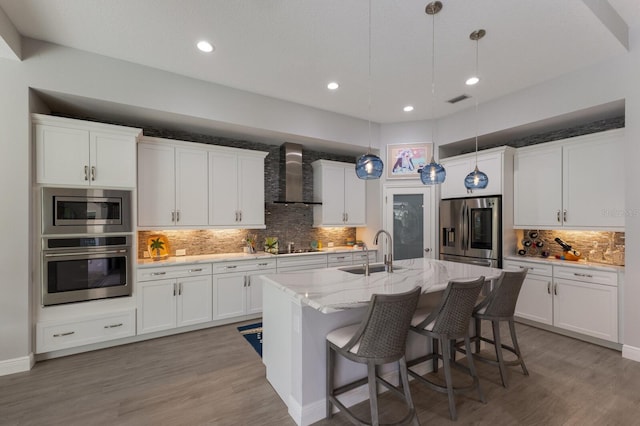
[(225, 257), (331, 290), (577, 263)]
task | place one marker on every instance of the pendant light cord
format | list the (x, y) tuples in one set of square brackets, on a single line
[(477, 119), (369, 82), (433, 83)]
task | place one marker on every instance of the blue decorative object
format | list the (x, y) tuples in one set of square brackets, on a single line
[(253, 334), (433, 173), (369, 166), (476, 180)]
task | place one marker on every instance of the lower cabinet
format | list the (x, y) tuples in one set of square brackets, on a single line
[(235, 293), (577, 299), (166, 303)]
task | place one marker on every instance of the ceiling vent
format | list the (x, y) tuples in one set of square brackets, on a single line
[(458, 99)]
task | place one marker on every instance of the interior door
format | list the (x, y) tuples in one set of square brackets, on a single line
[(409, 219)]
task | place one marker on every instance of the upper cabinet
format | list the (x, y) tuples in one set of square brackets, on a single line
[(172, 184), (342, 194), (185, 184), (576, 183), (236, 188), (495, 163), (80, 153)]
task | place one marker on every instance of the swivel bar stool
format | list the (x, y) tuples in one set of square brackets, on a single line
[(379, 339)]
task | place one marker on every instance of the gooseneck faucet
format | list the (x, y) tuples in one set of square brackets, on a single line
[(366, 265), (388, 257)]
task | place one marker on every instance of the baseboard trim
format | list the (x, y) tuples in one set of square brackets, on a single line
[(631, 352), (16, 365)]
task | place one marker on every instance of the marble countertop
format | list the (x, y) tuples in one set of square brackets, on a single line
[(331, 290), (225, 257), (577, 263)]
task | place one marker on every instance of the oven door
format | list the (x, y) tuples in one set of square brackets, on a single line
[(85, 274)]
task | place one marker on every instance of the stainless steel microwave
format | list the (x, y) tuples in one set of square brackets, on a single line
[(85, 211)]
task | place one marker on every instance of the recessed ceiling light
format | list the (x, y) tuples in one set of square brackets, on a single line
[(205, 46), (408, 108), (472, 80), (333, 85)]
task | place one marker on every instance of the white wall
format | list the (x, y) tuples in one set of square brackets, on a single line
[(55, 68)]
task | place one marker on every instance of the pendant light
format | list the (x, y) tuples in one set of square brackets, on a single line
[(476, 179), (433, 173), (369, 166)]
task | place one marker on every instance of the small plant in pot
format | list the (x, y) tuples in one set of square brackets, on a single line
[(156, 246)]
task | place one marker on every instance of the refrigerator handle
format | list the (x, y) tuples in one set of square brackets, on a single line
[(465, 227)]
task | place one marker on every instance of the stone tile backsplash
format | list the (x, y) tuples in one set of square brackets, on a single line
[(594, 246)]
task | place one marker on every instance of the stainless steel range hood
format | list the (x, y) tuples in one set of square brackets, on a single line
[(291, 179)]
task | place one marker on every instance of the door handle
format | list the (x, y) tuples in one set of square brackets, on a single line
[(174, 289), (558, 216), (180, 289), (177, 215), (93, 173), (86, 172), (549, 287), (564, 215), (173, 216), (555, 289), (427, 250)]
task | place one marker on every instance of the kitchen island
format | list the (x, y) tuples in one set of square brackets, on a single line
[(301, 308)]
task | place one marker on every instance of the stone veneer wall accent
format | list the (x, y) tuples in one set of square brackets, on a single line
[(583, 241), (291, 222)]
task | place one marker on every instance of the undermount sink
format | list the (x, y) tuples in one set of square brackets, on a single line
[(376, 267)]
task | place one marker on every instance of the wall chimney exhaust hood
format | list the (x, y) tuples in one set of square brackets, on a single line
[(291, 180)]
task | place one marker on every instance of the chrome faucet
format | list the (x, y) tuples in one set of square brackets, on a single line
[(366, 265), (388, 258)]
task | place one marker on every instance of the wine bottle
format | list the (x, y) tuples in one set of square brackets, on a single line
[(567, 247)]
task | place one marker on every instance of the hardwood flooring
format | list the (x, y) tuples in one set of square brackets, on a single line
[(214, 377)]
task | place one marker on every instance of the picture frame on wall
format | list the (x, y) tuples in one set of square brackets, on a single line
[(404, 161)]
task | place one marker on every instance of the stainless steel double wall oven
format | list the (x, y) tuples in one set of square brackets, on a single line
[(86, 245)]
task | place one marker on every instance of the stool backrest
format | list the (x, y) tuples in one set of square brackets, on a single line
[(454, 313), (501, 302), (383, 331)]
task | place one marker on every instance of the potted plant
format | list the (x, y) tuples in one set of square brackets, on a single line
[(157, 245), (271, 245)]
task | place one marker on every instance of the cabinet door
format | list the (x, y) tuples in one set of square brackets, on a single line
[(254, 294), (333, 194), (355, 199), (535, 301), (156, 185), (156, 306), (223, 189), (192, 187), (585, 308), (537, 188), (62, 155), (251, 191), (491, 165), (113, 160), (594, 179), (453, 185), (194, 300), (229, 295)]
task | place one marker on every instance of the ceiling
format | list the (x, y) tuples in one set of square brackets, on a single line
[(291, 49)]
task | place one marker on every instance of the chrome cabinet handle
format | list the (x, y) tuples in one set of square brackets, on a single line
[(158, 273), (86, 172), (173, 216), (558, 216), (231, 267), (564, 215), (180, 289), (263, 264), (549, 287), (583, 275), (93, 173), (177, 215), (195, 270), (244, 283), (240, 213), (68, 333), (248, 278), (174, 289), (113, 325), (555, 289)]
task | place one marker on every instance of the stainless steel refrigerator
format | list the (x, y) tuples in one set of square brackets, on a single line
[(471, 231)]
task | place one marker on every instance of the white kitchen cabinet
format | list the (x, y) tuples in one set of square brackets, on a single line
[(171, 297), (301, 262), (491, 162), (235, 293), (85, 330), (172, 184), (577, 299), (236, 194), (576, 183), (81, 153), (342, 194)]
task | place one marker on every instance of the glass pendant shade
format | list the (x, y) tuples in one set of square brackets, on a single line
[(369, 166), (433, 173), (476, 180)]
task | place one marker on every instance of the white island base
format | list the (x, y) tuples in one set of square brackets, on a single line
[(300, 309)]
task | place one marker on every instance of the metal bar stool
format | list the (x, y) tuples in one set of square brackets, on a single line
[(447, 323), (379, 339), (500, 306)]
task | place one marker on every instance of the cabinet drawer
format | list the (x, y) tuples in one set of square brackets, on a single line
[(52, 336), (302, 262), (165, 272), (337, 259), (244, 266), (586, 275), (360, 257), (534, 268)]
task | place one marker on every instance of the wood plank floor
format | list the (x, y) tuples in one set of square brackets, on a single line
[(214, 377)]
